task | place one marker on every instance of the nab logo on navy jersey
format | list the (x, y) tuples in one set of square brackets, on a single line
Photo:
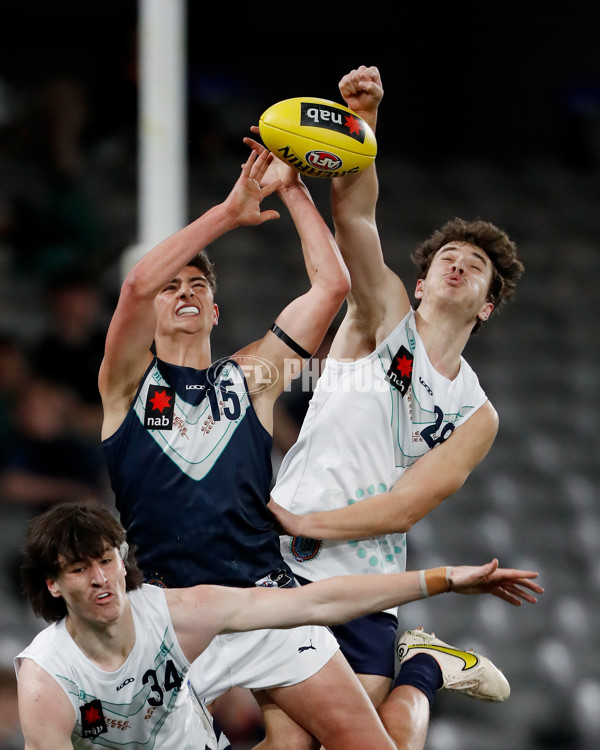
[(160, 406), (400, 372)]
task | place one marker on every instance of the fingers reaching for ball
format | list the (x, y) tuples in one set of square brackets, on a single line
[(243, 203), (277, 171)]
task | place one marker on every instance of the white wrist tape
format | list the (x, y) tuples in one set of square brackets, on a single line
[(423, 585)]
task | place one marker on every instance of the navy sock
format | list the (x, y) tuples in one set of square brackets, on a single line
[(422, 672)]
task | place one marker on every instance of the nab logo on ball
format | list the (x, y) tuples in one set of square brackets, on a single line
[(333, 118), (317, 137)]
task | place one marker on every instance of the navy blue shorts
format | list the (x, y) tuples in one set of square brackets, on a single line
[(368, 643)]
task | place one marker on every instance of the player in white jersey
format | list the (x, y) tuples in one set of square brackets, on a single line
[(368, 420), (147, 701), (394, 387), (111, 670)]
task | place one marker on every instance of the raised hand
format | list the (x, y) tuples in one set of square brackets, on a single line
[(243, 202), (277, 170), (362, 91)]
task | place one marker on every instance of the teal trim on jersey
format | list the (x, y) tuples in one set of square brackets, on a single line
[(72, 688), (139, 702), (422, 416), (195, 470), (410, 335)]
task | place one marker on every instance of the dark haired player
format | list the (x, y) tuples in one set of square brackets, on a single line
[(111, 670), (397, 423)]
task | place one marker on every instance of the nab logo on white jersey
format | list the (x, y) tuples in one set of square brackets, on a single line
[(400, 372)]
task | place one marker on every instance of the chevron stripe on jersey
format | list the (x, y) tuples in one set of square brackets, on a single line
[(209, 410), (192, 494)]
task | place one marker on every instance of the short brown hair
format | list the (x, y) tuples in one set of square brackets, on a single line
[(507, 268), (75, 531), (203, 263)]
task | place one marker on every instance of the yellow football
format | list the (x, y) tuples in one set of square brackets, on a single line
[(318, 137)]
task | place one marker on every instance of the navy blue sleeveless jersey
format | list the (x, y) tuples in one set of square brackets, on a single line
[(191, 470)]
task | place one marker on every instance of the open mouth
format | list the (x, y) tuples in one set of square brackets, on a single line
[(187, 311)]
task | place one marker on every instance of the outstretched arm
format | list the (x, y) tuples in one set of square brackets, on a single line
[(335, 600), (132, 328), (378, 299), (343, 598), (433, 477), (307, 318)]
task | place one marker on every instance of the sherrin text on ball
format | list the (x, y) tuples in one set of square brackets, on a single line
[(318, 137)]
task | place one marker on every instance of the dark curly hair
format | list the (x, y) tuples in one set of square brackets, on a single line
[(75, 531), (507, 268)]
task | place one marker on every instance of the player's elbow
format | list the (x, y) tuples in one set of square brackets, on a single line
[(422, 505), (405, 525), (341, 284), (404, 522), (332, 290), (137, 286)]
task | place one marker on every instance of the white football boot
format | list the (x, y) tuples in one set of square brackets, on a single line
[(463, 671)]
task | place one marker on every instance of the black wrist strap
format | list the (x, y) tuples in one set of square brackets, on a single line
[(290, 342)]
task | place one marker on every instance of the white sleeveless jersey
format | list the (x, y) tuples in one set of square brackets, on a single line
[(146, 703), (367, 422)]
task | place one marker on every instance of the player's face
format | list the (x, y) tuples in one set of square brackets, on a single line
[(94, 590), (186, 303), (459, 274)]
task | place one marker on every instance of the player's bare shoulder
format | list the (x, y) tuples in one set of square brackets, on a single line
[(478, 433)]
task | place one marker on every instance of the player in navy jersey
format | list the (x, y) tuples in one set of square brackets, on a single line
[(188, 442)]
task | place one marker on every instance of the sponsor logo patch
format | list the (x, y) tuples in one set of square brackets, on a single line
[(400, 372), (160, 406), (92, 719)]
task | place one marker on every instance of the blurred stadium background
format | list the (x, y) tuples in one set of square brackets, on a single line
[(491, 112)]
